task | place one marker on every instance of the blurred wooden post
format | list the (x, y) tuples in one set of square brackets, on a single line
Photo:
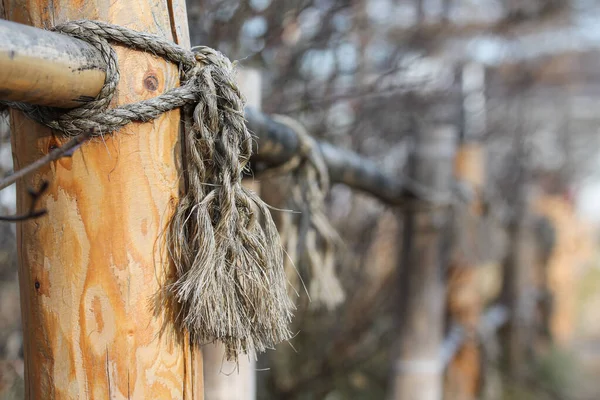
[(516, 285), (517, 288), (465, 301), (222, 379), (517, 280), (419, 370), (90, 268)]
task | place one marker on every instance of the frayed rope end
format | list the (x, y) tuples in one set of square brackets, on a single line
[(230, 283)]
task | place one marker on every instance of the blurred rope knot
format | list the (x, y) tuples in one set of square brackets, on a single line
[(230, 284), (308, 237)]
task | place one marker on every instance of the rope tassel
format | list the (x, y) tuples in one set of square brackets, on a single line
[(308, 237), (230, 283)]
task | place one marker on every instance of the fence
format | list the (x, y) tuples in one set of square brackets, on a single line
[(87, 270)]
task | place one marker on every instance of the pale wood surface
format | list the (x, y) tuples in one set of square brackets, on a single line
[(89, 269), (224, 380)]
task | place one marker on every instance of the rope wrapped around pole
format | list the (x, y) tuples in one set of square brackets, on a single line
[(230, 283)]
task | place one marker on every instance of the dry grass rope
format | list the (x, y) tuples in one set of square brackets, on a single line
[(308, 237), (230, 284)]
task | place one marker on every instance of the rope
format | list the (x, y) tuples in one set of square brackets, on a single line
[(308, 237), (230, 284), (94, 115)]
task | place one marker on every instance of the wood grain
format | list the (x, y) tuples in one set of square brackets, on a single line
[(89, 270)]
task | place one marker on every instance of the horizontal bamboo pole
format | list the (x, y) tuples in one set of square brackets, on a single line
[(276, 142), (47, 68)]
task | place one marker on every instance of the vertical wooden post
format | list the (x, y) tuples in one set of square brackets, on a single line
[(90, 268), (516, 284), (517, 279), (418, 370), (465, 300), (223, 380)]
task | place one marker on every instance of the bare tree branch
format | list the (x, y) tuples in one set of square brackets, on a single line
[(32, 213), (65, 150)]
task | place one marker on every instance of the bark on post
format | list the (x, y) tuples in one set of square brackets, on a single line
[(223, 380), (89, 269), (418, 370)]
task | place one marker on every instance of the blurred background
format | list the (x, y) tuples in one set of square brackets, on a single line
[(516, 259)]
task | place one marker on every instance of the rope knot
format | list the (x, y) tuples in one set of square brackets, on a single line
[(230, 284), (313, 243)]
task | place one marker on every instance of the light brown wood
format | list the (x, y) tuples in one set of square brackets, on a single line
[(89, 269), (465, 300), (469, 165), (465, 306), (47, 68), (465, 297), (574, 248)]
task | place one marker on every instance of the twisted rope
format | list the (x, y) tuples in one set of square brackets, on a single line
[(308, 236), (230, 284)]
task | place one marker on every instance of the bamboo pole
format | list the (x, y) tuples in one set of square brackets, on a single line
[(89, 269), (418, 370)]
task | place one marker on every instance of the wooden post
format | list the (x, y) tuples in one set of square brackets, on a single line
[(89, 269), (418, 370), (224, 380), (465, 299), (516, 285), (517, 268)]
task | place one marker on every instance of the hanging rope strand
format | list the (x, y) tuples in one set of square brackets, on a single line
[(316, 240)]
